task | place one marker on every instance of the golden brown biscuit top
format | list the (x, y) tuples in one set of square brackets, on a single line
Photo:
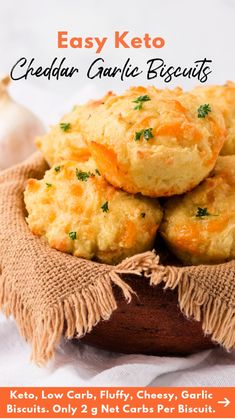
[(170, 116), (222, 95), (202, 222), (75, 209), (224, 98)]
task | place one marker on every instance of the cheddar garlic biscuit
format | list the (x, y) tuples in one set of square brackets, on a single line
[(64, 141), (224, 98), (158, 143), (200, 227), (77, 212)]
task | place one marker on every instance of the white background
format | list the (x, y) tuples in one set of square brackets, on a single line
[(192, 30)]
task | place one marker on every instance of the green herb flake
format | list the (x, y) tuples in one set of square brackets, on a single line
[(49, 185), (147, 134), (142, 214), (65, 126), (202, 212), (57, 169), (140, 101), (105, 207), (83, 176), (73, 235), (203, 110), (138, 135)]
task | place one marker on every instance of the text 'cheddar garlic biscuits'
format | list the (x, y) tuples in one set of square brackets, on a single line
[(75, 209), (200, 227), (158, 143), (224, 98)]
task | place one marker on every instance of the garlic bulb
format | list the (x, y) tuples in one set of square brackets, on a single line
[(18, 128)]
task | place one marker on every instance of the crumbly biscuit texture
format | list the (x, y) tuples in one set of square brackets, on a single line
[(224, 98), (76, 211), (65, 140), (152, 141), (200, 227)]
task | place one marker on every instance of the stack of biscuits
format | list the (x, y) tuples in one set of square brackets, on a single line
[(128, 167)]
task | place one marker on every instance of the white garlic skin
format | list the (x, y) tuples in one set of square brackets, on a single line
[(18, 129)]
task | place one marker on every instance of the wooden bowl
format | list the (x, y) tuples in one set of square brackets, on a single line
[(151, 324)]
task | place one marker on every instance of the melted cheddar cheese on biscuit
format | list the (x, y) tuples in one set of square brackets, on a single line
[(153, 142), (224, 98), (200, 226), (77, 212), (65, 140)]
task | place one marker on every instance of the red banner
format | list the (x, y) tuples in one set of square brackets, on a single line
[(117, 402)]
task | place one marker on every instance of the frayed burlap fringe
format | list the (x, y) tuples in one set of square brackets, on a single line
[(51, 294), (79, 313), (218, 320), (72, 317)]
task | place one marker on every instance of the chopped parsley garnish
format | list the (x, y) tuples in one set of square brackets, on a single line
[(65, 126), (83, 176), (73, 235), (203, 110), (142, 214), (49, 185), (146, 133), (202, 212), (105, 207), (138, 135), (140, 100), (57, 169)]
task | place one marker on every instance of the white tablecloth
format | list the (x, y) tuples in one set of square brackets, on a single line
[(81, 365)]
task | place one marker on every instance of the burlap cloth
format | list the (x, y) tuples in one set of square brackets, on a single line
[(51, 293)]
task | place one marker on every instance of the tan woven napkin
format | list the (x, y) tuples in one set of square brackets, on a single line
[(51, 293)]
